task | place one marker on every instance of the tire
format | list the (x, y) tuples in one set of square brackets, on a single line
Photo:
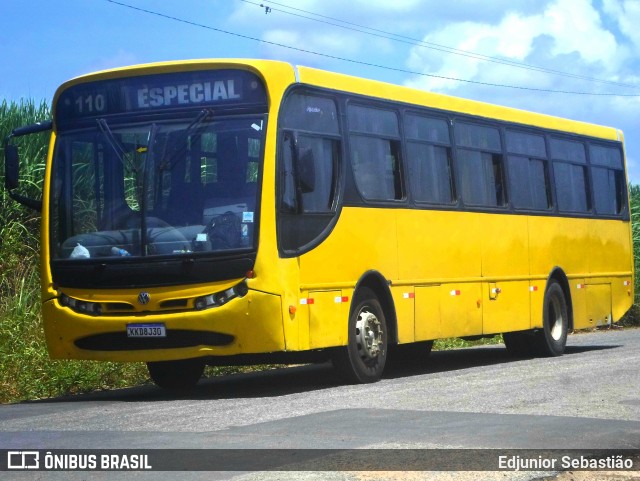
[(176, 375), (551, 340), (364, 357), (519, 344)]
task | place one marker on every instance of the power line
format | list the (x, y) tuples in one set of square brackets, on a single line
[(423, 44), (358, 62)]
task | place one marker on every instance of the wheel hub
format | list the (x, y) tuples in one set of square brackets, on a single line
[(368, 335), (556, 328)]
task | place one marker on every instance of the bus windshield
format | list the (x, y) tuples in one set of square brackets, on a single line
[(159, 188)]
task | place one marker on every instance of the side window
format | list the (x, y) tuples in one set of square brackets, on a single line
[(607, 173), (375, 153), (570, 172), (308, 171), (309, 174), (529, 182), (480, 165), (310, 154), (376, 167), (571, 187), (429, 159)]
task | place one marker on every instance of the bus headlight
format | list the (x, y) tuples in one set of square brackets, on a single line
[(82, 307), (221, 298)]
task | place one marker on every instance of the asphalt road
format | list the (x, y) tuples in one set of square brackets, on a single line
[(468, 398)]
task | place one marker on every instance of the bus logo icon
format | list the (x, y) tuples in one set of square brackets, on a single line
[(144, 298), (23, 460)]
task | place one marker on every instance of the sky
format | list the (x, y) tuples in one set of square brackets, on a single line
[(578, 59)]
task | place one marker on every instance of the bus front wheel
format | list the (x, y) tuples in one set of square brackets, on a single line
[(176, 375), (364, 357), (552, 338)]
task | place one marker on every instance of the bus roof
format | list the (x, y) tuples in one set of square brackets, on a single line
[(373, 88), (289, 74)]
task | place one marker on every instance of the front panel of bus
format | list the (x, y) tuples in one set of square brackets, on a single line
[(154, 207)]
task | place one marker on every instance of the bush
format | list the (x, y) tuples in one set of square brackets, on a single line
[(26, 372)]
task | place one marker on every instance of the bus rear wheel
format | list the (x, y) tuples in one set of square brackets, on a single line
[(364, 357), (176, 375), (551, 340)]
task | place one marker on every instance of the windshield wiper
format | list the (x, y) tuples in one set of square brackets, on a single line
[(166, 162), (117, 147), (143, 195)]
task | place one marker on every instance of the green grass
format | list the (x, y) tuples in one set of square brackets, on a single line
[(26, 372)]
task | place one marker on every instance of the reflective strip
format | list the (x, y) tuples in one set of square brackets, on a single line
[(533, 288), (340, 299), (627, 283), (409, 295), (455, 292), (580, 286), (307, 301)]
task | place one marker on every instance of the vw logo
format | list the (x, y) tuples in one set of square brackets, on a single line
[(144, 298)]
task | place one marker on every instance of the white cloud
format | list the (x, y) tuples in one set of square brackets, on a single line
[(627, 15), (570, 28), (576, 27)]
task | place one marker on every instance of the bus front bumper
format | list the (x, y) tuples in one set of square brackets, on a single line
[(246, 325)]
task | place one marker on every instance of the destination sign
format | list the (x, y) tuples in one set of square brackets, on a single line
[(185, 94), (153, 93)]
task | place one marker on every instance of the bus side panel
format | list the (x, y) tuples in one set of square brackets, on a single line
[(505, 254), (578, 301), (598, 306), (536, 300), (505, 307), (621, 297), (610, 248), (461, 309), (427, 313), (441, 248), (556, 242), (438, 245), (611, 252), (328, 317), (404, 301), (363, 239), (505, 246)]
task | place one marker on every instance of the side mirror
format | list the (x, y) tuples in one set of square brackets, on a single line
[(12, 162), (11, 166)]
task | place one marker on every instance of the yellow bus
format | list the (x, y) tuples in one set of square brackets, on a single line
[(243, 211)]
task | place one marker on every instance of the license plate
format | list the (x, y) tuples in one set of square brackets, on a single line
[(146, 330)]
